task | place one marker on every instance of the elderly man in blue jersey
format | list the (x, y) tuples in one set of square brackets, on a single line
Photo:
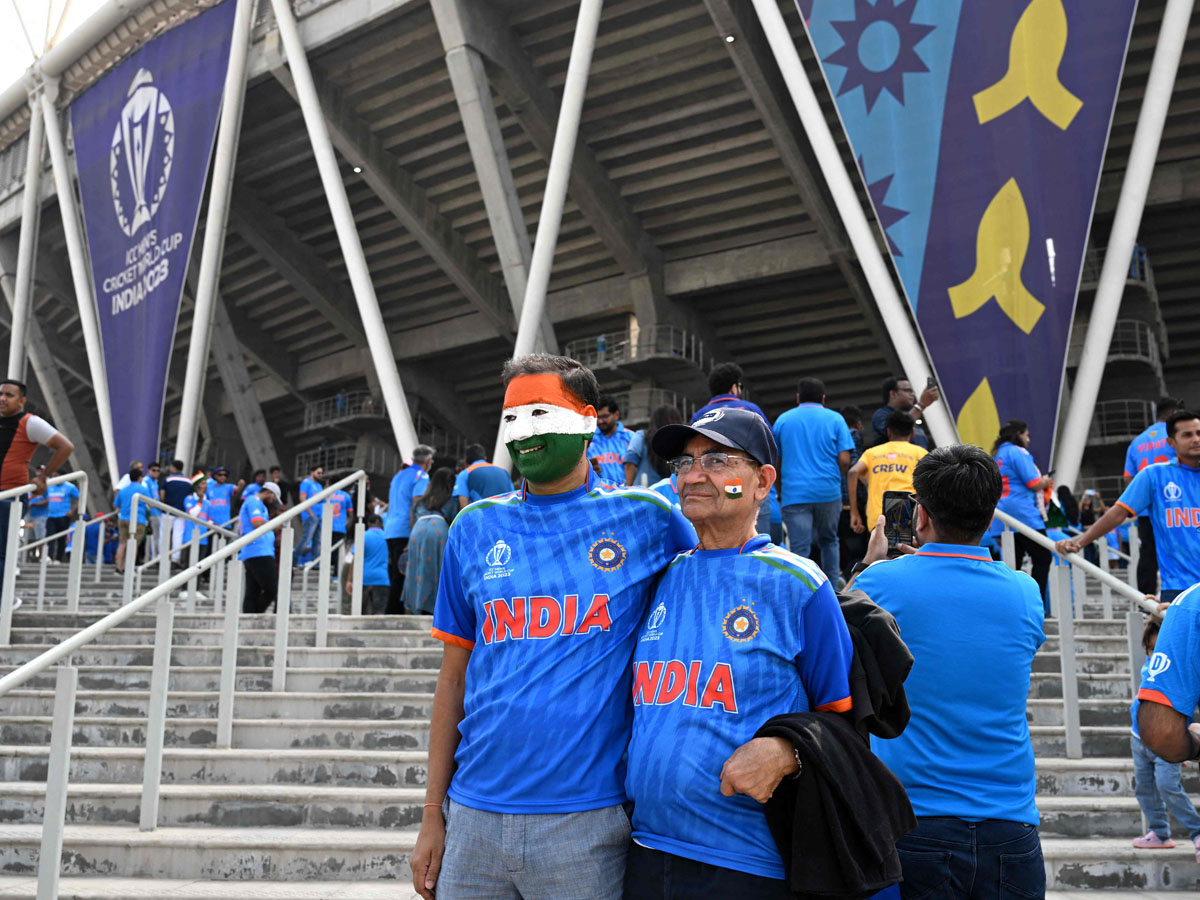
[(739, 630), (1147, 449), (1171, 492), (541, 595), (611, 440), (973, 626)]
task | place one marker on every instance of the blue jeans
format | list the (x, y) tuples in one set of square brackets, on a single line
[(655, 875), (1158, 788), (815, 523), (311, 537), (949, 858), (547, 856)]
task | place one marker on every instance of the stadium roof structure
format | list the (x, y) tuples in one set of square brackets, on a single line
[(694, 200)]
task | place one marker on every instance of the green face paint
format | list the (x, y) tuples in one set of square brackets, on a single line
[(550, 456)]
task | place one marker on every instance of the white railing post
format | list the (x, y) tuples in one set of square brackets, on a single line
[(1135, 553), (1008, 548), (322, 636), (229, 652), (99, 551), (283, 609), (9, 585), (57, 773), (41, 590), (1060, 588), (360, 532), (156, 715), (130, 566), (1106, 599), (1134, 623), (193, 558), (167, 529), (216, 575), (75, 572)]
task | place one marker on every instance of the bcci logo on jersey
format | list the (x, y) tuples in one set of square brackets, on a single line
[(497, 560), (143, 146), (607, 554), (741, 624), (654, 623)]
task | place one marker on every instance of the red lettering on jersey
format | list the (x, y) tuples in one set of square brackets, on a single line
[(645, 682), (673, 683), (693, 683), (571, 604), (545, 616), (720, 689), (597, 616), (509, 620), (489, 624)]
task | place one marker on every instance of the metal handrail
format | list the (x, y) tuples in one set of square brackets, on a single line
[(212, 526), (1120, 554), (176, 513)]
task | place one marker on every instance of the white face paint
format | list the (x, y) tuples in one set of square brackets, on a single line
[(522, 422)]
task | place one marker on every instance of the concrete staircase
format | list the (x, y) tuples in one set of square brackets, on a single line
[(321, 795)]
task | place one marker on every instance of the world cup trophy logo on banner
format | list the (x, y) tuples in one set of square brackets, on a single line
[(143, 145)]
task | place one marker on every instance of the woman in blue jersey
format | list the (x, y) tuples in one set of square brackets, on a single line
[(1023, 483), (427, 543)]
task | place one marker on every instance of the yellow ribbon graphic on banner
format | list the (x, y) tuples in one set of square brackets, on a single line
[(978, 420), (1036, 51), (1000, 248)]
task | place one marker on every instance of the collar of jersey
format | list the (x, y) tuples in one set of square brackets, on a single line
[(554, 499), (1179, 462), (965, 551), (758, 542)]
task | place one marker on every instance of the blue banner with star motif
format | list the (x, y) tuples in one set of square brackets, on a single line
[(980, 129)]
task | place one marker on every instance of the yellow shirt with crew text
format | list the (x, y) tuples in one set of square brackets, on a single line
[(889, 468)]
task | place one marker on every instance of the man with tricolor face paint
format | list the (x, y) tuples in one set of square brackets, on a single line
[(541, 595)]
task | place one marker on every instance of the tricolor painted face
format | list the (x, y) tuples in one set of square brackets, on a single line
[(545, 427)]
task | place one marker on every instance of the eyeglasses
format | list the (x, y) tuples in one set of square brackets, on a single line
[(712, 463)]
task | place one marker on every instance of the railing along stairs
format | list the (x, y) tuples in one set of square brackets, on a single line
[(67, 675)]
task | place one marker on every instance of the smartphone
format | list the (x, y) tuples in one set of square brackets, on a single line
[(899, 509), (930, 382)]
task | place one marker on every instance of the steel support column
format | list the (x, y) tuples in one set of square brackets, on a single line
[(224, 158), (31, 216), (343, 219), (77, 255)]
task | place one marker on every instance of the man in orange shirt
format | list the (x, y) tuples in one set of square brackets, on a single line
[(885, 467)]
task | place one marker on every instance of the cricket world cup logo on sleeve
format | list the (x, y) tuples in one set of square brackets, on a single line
[(143, 148), (1159, 663)]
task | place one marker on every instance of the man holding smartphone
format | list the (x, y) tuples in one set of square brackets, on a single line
[(885, 467)]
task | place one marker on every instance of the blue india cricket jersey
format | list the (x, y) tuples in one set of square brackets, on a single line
[(733, 637), (548, 593), (254, 514), (1018, 498), (1171, 675), (340, 505), (610, 451), (220, 501), (1171, 493)]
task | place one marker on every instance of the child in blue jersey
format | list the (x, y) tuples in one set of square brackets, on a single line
[(739, 630), (1171, 493), (1022, 485), (541, 594)]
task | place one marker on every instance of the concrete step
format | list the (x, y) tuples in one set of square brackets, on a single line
[(235, 854), (28, 618), (250, 704), (211, 637), (1093, 864), (1098, 777), (1111, 627), (1102, 711), (1091, 643), (1098, 740), (367, 734), (1112, 685), (225, 805), (249, 678), (186, 657), (201, 765), (16, 887), (1097, 816), (1096, 663)]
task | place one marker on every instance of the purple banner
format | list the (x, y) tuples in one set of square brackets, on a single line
[(980, 130), (143, 139)]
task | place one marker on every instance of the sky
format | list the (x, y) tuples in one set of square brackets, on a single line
[(15, 56)]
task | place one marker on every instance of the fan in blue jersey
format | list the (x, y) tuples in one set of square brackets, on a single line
[(341, 506), (610, 441), (219, 494), (1022, 486), (739, 630), (310, 519), (258, 557), (725, 385), (1170, 686), (541, 594), (1171, 493), (480, 478), (407, 487), (1147, 449), (256, 485)]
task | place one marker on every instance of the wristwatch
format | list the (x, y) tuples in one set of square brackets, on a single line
[(858, 568)]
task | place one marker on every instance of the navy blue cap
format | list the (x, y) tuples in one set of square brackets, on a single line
[(738, 428)]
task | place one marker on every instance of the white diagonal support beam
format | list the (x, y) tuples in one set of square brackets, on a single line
[(407, 201)]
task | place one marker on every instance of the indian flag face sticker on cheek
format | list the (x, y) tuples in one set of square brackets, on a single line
[(540, 404), (733, 487)]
